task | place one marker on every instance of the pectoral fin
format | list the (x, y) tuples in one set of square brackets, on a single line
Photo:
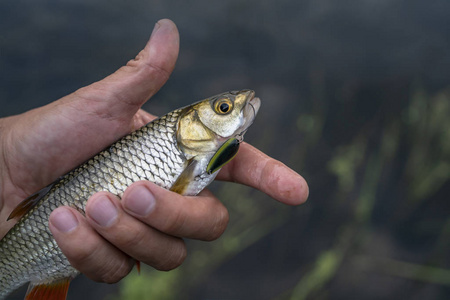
[(27, 204), (56, 290), (185, 178)]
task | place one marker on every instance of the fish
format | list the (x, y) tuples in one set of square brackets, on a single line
[(181, 151)]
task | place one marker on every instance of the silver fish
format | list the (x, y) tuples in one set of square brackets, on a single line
[(181, 151)]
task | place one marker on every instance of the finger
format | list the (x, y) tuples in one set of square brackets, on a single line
[(85, 249), (141, 118), (85, 122), (142, 77), (140, 241), (203, 217), (254, 168)]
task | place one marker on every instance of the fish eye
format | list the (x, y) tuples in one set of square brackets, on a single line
[(223, 106)]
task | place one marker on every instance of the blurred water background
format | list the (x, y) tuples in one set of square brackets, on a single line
[(355, 98)]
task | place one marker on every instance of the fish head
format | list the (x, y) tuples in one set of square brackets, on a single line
[(209, 133), (207, 124), (229, 114)]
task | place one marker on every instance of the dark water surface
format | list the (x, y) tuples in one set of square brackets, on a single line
[(355, 97)]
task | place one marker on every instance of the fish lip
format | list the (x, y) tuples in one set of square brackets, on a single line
[(254, 102), (250, 111)]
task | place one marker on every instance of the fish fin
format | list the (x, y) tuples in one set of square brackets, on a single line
[(30, 202), (185, 178), (138, 267), (56, 290)]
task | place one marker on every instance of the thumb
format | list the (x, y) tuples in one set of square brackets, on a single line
[(125, 91), (51, 140)]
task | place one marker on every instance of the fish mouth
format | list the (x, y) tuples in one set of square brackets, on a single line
[(255, 104), (251, 108), (250, 111)]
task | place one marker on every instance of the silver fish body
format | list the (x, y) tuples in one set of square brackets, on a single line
[(157, 152)]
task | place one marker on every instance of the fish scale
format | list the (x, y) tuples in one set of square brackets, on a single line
[(32, 233), (181, 151)]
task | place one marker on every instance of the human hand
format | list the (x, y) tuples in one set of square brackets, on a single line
[(149, 222)]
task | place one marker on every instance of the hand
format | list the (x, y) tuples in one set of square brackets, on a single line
[(148, 224)]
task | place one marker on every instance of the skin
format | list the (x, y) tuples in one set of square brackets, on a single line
[(149, 222)]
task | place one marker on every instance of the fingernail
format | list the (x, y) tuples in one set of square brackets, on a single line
[(140, 201), (155, 29), (64, 220), (103, 211)]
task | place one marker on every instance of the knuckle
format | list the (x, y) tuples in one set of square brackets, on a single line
[(141, 64), (220, 223), (115, 270), (81, 252), (153, 69), (129, 237), (174, 223), (99, 264), (102, 268), (175, 257)]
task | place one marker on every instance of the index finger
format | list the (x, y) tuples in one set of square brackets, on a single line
[(254, 168)]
